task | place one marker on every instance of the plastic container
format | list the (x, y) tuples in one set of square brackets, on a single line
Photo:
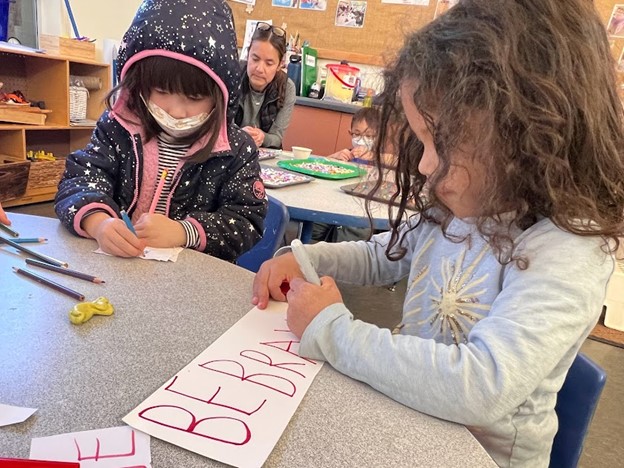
[(301, 152), (341, 80), (294, 72)]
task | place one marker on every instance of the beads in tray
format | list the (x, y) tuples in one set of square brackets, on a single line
[(274, 178), (325, 168)]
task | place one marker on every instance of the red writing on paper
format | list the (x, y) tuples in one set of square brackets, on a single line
[(219, 399)]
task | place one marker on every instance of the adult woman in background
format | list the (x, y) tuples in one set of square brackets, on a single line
[(267, 95)]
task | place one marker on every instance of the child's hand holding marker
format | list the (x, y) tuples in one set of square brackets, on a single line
[(281, 278)]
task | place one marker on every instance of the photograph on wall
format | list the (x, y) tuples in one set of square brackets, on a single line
[(246, 2), (285, 3), (615, 26), (250, 28), (443, 6), (318, 5), (620, 63), (407, 2), (350, 13)]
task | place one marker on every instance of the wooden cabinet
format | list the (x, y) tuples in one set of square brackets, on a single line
[(42, 77), (325, 131)]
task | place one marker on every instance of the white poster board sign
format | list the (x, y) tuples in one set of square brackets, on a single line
[(233, 402)]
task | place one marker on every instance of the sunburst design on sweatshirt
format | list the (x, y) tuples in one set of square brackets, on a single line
[(457, 306)]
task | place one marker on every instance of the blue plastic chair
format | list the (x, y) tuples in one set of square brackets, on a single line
[(274, 228), (576, 404)]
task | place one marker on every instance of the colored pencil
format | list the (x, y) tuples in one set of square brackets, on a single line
[(128, 222), (29, 240), (32, 253), (49, 283), (65, 271), (8, 230), (159, 189)]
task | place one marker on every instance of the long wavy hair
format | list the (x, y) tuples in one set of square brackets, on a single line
[(173, 76), (540, 76)]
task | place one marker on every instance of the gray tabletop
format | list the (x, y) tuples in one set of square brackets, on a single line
[(322, 200), (89, 376)]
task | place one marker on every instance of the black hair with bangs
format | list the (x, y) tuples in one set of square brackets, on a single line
[(173, 76)]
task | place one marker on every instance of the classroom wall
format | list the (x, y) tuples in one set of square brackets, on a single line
[(110, 19), (96, 20)]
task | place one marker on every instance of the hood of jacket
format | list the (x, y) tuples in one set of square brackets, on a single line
[(199, 32)]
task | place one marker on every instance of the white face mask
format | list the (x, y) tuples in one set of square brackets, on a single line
[(176, 128), (364, 141)]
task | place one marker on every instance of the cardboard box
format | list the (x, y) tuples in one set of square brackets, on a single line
[(66, 47)]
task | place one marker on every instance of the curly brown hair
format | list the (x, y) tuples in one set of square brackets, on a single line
[(542, 75)]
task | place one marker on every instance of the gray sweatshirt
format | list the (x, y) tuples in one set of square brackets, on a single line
[(481, 344)]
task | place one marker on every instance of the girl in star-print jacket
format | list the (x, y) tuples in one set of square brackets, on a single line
[(170, 122)]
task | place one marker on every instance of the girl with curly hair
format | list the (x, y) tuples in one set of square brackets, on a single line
[(512, 125)]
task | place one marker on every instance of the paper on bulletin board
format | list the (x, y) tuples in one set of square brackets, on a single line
[(250, 28), (233, 402), (407, 2)]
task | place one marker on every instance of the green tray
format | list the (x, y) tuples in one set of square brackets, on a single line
[(347, 171)]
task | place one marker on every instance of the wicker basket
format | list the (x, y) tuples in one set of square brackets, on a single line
[(78, 103)]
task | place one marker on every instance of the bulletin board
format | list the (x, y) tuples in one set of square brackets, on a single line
[(384, 30), (616, 39)]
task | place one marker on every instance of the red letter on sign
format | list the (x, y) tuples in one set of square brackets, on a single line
[(164, 413)]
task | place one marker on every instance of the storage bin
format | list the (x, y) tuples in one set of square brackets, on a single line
[(45, 174), (67, 47), (13, 180), (78, 103), (340, 82)]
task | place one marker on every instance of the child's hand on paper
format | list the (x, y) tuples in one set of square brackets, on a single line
[(113, 236), (256, 134), (307, 300), (3, 217), (157, 230), (268, 281)]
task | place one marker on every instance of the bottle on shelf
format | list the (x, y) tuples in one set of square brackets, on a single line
[(368, 99)]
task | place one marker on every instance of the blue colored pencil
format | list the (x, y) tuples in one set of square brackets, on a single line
[(30, 240), (126, 219)]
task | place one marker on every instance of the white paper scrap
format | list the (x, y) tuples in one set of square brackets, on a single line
[(154, 253), (113, 447), (14, 414)]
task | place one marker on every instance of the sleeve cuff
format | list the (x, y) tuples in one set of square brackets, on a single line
[(192, 234)]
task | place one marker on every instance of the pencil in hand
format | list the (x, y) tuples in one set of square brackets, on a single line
[(49, 283), (8, 230), (126, 219), (65, 271)]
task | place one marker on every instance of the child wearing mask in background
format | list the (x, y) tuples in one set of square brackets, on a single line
[(364, 129)]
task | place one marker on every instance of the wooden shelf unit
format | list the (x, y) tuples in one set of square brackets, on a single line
[(42, 77)]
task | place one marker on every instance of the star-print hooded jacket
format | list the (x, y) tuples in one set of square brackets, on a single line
[(222, 197)]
